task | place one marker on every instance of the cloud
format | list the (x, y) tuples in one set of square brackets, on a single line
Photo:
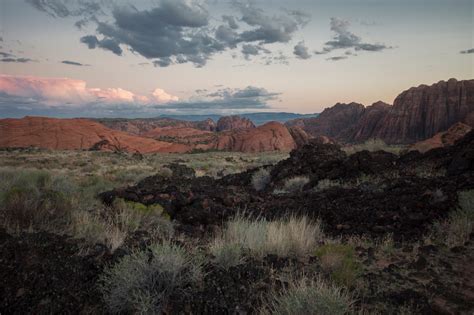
[(345, 39), (230, 20), (337, 58), (301, 51), (28, 95), (74, 63), (468, 51), (253, 50), (107, 44), (276, 59), (177, 31), (162, 97), (53, 92), (250, 97), (61, 8), (5, 55), (269, 29), (17, 60)]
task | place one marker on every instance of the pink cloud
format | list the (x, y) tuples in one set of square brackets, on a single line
[(61, 91), (162, 97)]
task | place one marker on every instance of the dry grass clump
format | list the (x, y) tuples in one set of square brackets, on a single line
[(111, 226), (309, 297), (142, 282), (290, 237), (260, 179), (457, 228), (34, 200)]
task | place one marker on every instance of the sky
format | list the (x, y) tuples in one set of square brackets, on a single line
[(143, 58)]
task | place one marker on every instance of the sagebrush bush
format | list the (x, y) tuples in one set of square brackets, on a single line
[(38, 200), (309, 297), (32, 199), (260, 179), (295, 184), (142, 282), (293, 236), (226, 255), (339, 260)]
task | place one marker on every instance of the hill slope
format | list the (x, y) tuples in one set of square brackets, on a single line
[(76, 134)]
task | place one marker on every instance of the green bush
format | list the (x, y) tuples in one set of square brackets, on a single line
[(341, 263), (309, 297), (142, 282)]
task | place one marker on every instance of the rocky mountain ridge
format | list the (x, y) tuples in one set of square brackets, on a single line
[(416, 114)]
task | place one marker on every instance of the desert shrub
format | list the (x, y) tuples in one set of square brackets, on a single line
[(457, 228), (132, 216), (373, 145), (362, 180), (308, 297), (386, 245), (142, 282), (165, 172), (226, 255), (293, 236), (32, 199), (339, 260), (295, 184), (260, 179), (130, 175), (94, 229), (327, 183)]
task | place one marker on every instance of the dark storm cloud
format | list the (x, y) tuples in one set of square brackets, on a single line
[(469, 51), (74, 63), (174, 31), (345, 39), (107, 44), (62, 8), (269, 29), (177, 31), (230, 20), (249, 50), (301, 51)]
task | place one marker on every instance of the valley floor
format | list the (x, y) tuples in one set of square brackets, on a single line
[(320, 231)]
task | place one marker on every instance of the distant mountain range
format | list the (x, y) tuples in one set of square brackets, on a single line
[(257, 118), (417, 114)]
